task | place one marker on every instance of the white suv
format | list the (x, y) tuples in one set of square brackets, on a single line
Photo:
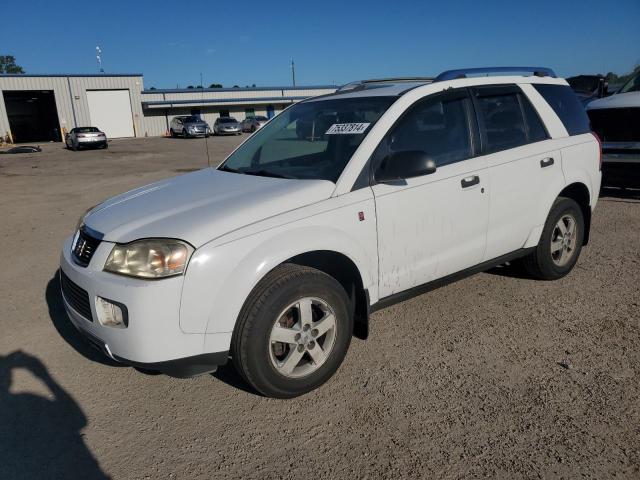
[(341, 205)]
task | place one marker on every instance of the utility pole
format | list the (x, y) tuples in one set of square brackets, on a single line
[(293, 72), (201, 86)]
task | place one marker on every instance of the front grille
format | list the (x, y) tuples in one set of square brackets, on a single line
[(76, 296), (616, 124), (84, 248)]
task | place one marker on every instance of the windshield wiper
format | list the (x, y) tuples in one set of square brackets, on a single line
[(265, 173)]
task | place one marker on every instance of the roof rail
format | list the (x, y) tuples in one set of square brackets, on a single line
[(464, 72), (361, 84)]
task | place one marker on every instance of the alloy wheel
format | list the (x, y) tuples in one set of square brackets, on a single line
[(302, 337), (563, 240)]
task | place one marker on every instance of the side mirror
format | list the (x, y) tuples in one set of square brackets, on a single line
[(402, 165)]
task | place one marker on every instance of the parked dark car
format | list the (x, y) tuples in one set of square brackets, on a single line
[(616, 120), (589, 87)]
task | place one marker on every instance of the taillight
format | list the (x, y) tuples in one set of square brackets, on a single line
[(599, 150)]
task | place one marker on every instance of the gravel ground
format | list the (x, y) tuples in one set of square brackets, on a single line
[(493, 376)]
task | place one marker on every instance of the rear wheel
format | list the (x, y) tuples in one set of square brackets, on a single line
[(293, 332), (560, 243)]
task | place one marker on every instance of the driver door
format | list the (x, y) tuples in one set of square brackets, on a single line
[(436, 224)]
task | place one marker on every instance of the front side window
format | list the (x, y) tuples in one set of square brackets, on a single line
[(310, 140), (438, 126)]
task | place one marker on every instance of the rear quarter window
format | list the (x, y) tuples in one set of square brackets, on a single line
[(565, 103)]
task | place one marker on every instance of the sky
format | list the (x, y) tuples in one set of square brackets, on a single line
[(241, 42)]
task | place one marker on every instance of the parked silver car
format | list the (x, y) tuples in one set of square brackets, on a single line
[(226, 126), (189, 126), (251, 124), (85, 137)]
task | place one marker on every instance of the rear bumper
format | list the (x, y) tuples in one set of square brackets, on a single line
[(621, 170), (91, 143)]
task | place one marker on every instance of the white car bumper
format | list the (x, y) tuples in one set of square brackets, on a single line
[(153, 338)]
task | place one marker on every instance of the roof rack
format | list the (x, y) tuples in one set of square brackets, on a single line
[(361, 84), (465, 72)]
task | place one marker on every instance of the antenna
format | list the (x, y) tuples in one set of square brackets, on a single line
[(99, 59), (206, 135), (293, 72)]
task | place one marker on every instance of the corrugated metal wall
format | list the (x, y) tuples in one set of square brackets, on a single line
[(73, 109), (71, 98)]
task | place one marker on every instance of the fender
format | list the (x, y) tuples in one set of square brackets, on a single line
[(577, 169), (231, 266)]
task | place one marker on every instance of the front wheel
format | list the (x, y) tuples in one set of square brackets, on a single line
[(560, 243), (293, 332)]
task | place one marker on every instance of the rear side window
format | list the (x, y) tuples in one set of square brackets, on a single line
[(565, 103), (501, 115)]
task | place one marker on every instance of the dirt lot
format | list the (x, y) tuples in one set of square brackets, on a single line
[(493, 376)]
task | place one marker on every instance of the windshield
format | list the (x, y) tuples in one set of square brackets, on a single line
[(310, 140), (227, 120), (87, 130), (633, 85), (260, 118), (191, 119)]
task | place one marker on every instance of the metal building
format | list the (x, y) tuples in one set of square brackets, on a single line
[(38, 108), (160, 106)]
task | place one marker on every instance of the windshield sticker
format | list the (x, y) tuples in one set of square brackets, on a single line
[(347, 128)]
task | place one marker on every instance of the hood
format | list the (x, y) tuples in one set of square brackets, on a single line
[(619, 100), (201, 206), (200, 123)]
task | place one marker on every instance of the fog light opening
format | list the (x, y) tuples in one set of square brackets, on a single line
[(111, 314)]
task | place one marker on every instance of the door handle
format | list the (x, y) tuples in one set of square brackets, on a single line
[(546, 162), (470, 181)]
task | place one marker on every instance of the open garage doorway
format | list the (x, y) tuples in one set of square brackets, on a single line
[(33, 116)]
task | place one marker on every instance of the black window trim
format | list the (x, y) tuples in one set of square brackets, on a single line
[(503, 89), (522, 98), (475, 140)]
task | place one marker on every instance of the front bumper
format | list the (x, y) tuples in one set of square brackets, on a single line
[(197, 133), (153, 339)]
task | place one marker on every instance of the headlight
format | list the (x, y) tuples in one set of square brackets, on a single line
[(153, 258)]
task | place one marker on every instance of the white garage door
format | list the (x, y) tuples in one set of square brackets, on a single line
[(110, 111)]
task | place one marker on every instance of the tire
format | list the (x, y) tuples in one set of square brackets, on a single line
[(172, 133), (545, 264), (184, 133), (105, 146), (262, 362)]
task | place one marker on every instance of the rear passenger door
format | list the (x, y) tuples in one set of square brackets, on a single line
[(433, 225), (520, 159)]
